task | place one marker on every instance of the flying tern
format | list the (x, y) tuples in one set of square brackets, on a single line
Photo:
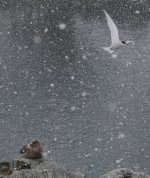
[(116, 42)]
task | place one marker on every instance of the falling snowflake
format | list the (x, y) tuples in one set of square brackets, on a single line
[(99, 139), (62, 26), (73, 108), (137, 11), (121, 123), (15, 92), (128, 63), (52, 85), (84, 56), (95, 149), (92, 165), (121, 136), (46, 30), (88, 155), (37, 39), (83, 94), (72, 77), (55, 139), (114, 56), (66, 57), (49, 70), (119, 160)]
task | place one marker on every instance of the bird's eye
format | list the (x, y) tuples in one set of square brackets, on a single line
[(123, 42)]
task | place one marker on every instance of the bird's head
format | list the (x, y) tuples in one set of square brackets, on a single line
[(25, 148), (35, 142), (128, 42)]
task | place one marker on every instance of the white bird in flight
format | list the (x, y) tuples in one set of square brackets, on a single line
[(116, 42)]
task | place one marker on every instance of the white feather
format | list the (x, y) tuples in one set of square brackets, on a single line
[(108, 49), (113, 30), (116, 43)]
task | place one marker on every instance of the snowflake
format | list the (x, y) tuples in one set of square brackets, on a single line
[(99, 139), (73, 108), (62, 26), (66, 57), (52, 85), (121, 136), (72, 77), (37, 39), (137, 11), (46, 30), (84, 56), (55, 139), (87, 155), (83, 94), (15, 92), (119, 160), (96, 149), (114, 56)]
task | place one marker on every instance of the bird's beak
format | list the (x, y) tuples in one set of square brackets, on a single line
[(130, 42), (21, 151)]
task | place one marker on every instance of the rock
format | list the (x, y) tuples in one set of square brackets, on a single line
[(35, 168), (124, 173), (46, 169), (5, 169)]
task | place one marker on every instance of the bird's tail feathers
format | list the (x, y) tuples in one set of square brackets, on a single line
[(108, 49)]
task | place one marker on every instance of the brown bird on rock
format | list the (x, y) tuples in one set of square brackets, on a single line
[(33, 150)]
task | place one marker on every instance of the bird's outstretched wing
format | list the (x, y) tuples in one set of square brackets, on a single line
[(113, 30)]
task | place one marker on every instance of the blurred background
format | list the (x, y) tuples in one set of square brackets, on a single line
[(90, 111)]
